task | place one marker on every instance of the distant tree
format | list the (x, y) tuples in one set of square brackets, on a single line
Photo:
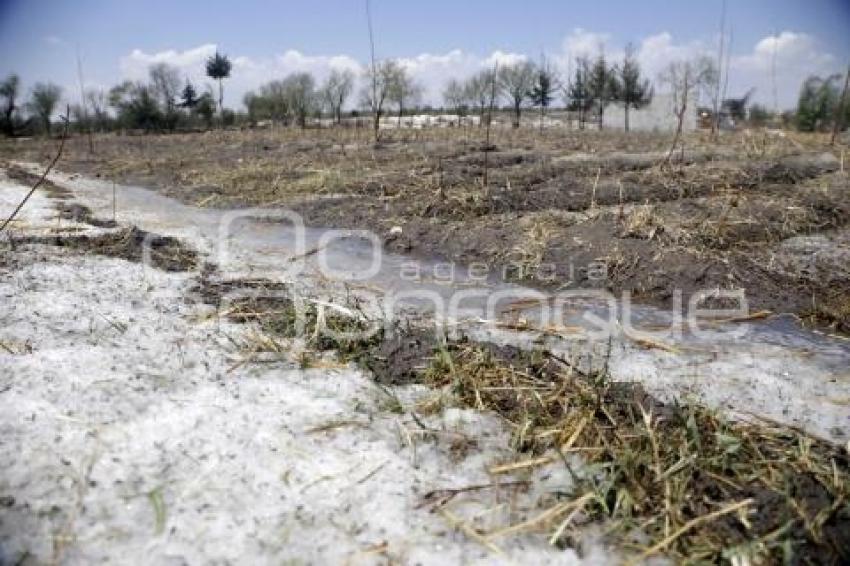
[(380, 80), (43, 101), (274, 101), (300, 89), (336, 90), (165, 81), (603, 85), (165, 85), (579, 97), (842, 109), (686, 79), (205, 108), (455, 96), (96, 101), (515, 82), (543, 90), (478, 90), (189, 96), (634, 91), (9, 90), (218, 68), (817, 102), (254, 105), (403, 90), (136, 106)]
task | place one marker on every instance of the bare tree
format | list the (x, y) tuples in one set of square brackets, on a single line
[(403, 90), (716, 96), (166, 83), (96, 101), (43, 101), (380, 79), (378, 93), (9, 90), (493, 90), (515, 82), (83, 104), (300, 89), (455, 96), (686, 79), (478, 91), (335, 90)]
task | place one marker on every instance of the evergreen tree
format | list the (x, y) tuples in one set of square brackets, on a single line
[(189, 96), (602, 85), (635, 92), (579, 94), (218, 68), (541, 93)]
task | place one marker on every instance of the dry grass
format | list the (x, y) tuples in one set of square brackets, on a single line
[(701, 488)]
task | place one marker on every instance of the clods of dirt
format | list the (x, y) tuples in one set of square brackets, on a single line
[(132, 244)]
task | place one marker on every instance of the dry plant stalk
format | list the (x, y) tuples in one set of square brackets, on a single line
[(700, 486)]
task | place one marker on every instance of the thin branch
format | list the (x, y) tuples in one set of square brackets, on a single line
[(46, 171)]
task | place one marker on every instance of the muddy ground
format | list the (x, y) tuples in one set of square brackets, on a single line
[(792, 484), (560, 210)]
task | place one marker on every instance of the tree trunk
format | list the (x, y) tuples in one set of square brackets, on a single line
[(221, 102), (627, 116), (680, 115), (517, 112), (8, 126)]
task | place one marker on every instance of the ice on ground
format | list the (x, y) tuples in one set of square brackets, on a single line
[(131, 433)]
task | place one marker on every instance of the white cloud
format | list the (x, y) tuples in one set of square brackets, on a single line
[(797, 55), (657, 51), (583, 43), (53, 40)]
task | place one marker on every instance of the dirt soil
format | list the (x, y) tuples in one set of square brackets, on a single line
[(558, 210)]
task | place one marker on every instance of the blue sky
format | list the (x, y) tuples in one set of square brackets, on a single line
[(39, 38)]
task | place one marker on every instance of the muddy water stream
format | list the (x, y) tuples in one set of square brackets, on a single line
[(770, 367)]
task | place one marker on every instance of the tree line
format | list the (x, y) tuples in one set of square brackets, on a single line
[(594, 85), (166, 101)]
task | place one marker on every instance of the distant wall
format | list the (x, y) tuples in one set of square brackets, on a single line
[(657, 117)]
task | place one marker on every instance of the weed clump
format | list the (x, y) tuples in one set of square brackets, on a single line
[(699, 486)]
